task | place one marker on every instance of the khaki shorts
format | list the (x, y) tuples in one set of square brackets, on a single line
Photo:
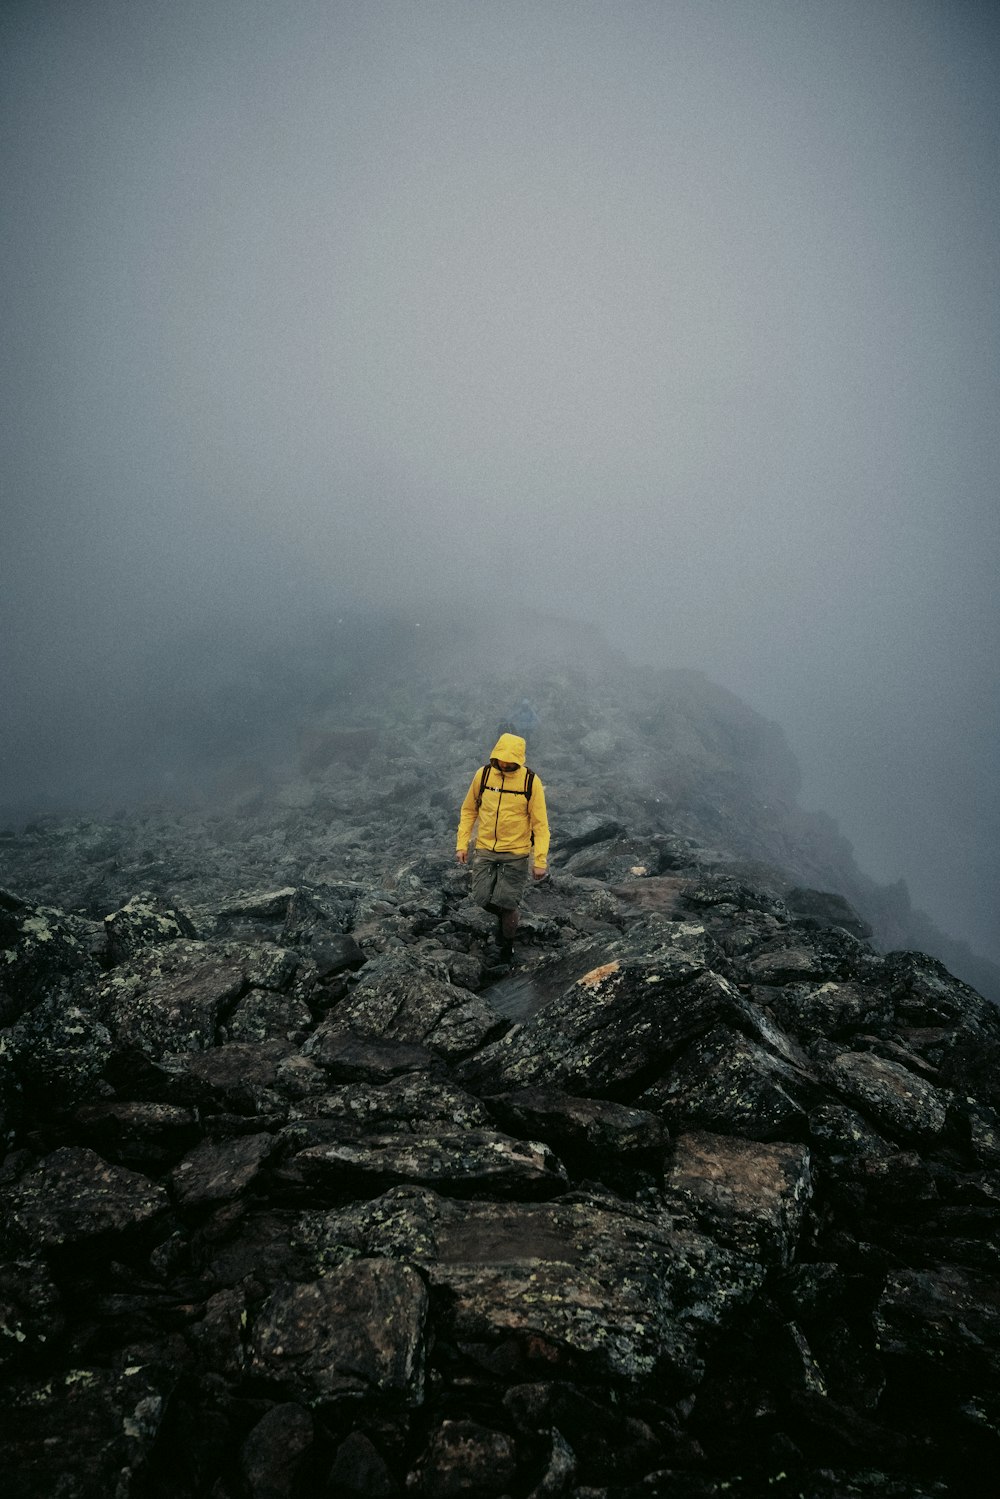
[(499, 879)]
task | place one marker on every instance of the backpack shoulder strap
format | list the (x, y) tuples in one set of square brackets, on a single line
[(482, 782), (529, 781)]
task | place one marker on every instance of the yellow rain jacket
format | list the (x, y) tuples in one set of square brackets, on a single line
[(508, 822)]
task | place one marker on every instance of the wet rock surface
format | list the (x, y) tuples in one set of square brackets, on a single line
[(301, 1195)]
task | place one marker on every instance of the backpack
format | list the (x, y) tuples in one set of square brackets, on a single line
[(529, 781)]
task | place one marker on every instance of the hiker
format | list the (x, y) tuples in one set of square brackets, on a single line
[(509, 801), (524, 719)]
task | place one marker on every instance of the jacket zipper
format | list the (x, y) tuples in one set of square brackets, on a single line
[(496, 824)]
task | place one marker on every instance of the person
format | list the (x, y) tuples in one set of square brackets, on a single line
[(508, 801), (524, 719)]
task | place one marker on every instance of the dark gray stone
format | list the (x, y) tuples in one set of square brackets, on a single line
[(358, 1332), (73, 1196)]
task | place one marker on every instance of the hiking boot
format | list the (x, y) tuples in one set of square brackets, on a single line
[(506, 950)]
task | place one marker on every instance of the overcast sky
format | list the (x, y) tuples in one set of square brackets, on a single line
[(678, 315)]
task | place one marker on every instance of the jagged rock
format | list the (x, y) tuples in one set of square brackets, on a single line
[(396, 998), (947, 1322), (588, 1285), (787, 965), (82, 1431), (360, 1472), (239, 1247), (629, 1291), (840, 1131), (749, 1196), (218, 1336), (595, 1132), (143, 922), (984, 1132), (898, 1102), (826, 908), (357, 1332), (464, 1458), (723, 892), (727, 1081), (31, 1314), (41, 950), (262, 1015), (73, 1196), (240, 1076), (472, 1161), (173, 998), (335, 955), (217, 1170), (592, 831), (272, 1457), (952, 1025), (831, 1009), (57, 1052), (349, 1058), (149, 1136), (615, 1028), (288, 916)]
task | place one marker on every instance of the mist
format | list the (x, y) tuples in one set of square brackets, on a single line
[(679, 318)]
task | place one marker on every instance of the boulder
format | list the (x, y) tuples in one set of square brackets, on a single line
[(397, 999), (464, 1458), (273, 1456), (218, 1170), (608, 1034), (358, 1332), (147, 920), (73, 1197), (348, 1057), (83, 1431), (727, 1081), (42, 950), (897, 1101), (749, 1195)]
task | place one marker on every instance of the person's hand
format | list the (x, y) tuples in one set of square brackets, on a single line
[(540, 874), (462, 855)]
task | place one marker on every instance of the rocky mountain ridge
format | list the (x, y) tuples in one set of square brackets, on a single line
[(301, 1195)]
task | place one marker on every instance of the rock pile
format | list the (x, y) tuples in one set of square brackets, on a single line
[(299, 1198)]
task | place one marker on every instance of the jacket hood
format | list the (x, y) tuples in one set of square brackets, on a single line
[(509, 747)]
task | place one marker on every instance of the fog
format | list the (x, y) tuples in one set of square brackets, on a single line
[(676, 316)]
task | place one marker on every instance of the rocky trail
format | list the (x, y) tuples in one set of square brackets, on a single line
[(301, 1196)]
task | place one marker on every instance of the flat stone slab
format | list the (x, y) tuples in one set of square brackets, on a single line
[(593, 1125), (358, 1331), (459, 1163), (582, 1286), (349, 1057), (379, 1108), (749, 1195)]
